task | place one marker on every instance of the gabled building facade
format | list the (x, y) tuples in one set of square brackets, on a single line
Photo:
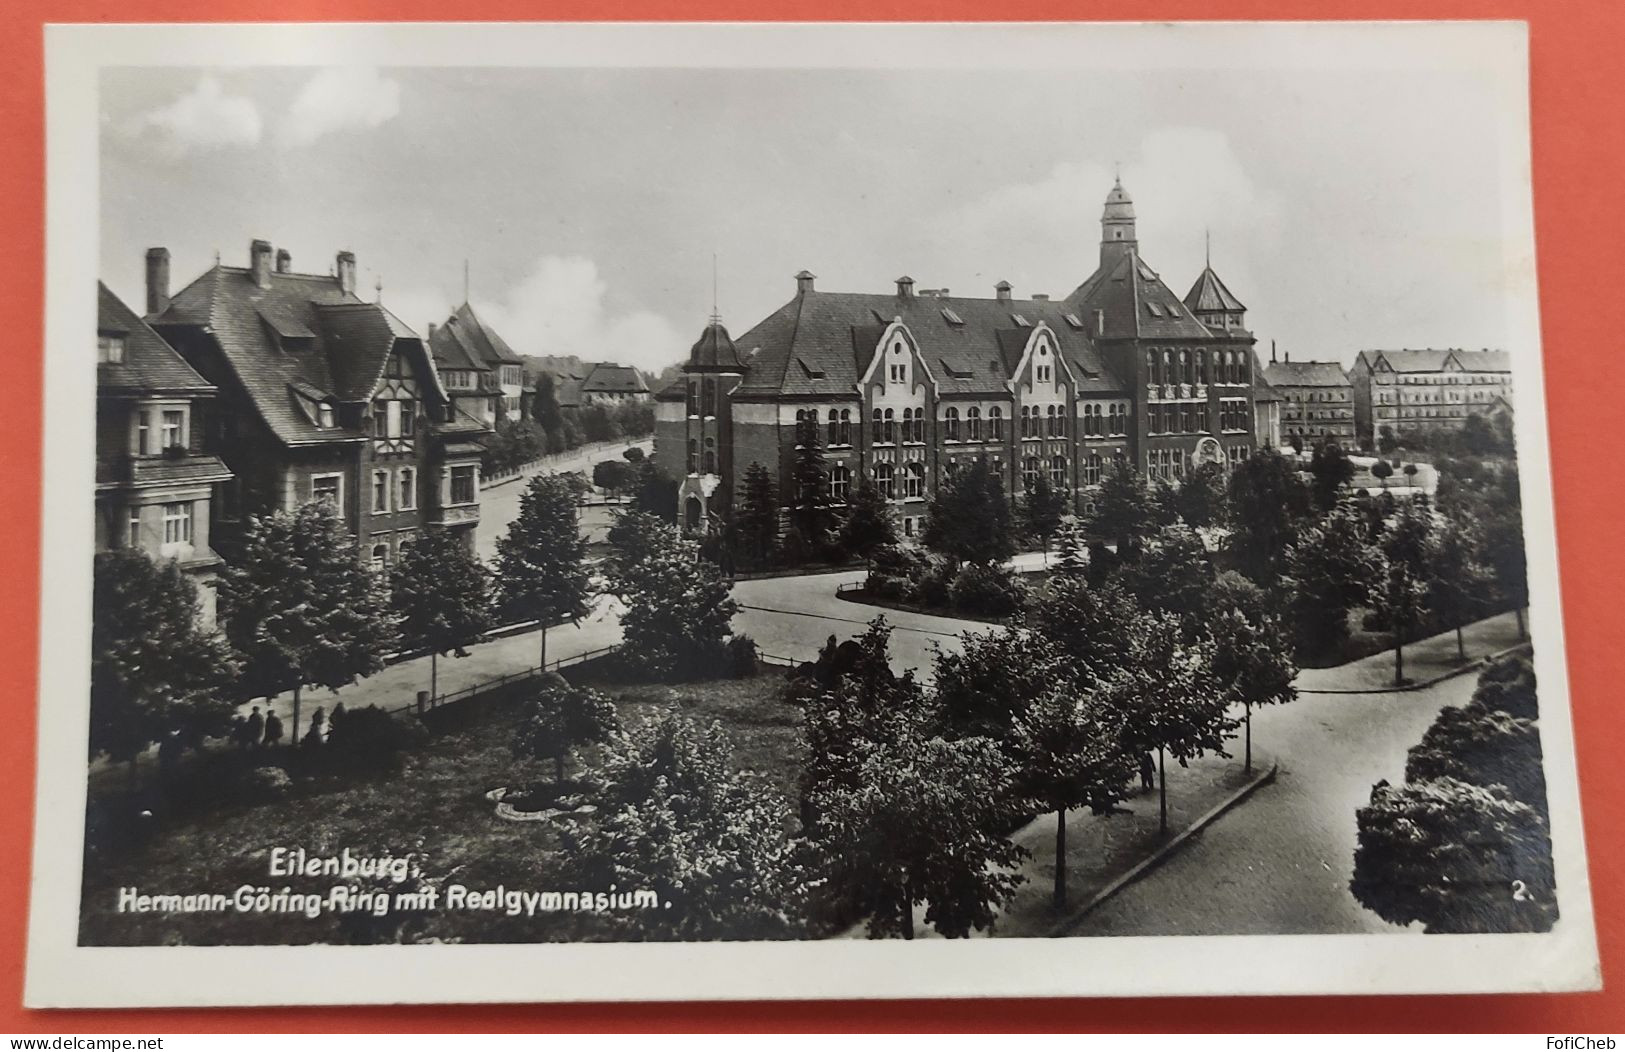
[(483, 375), (608, 383), (909, 386), (1396, 392), (321, 396), (1317, 402), (154, 478)]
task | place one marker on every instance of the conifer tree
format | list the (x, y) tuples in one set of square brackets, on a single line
[(968, 519), (758, 517), (1123, 510), (868, 523), (1041, 510), (540, 570), (810, 479), (300, 607)]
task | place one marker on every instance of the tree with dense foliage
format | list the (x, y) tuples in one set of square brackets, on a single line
[(809, 481), (679, 818), (1200, 497), (1476, 744), (992, 678), (1406, 548), (968, 519), (441, 595), (1457, 857), (1508, 685), (1124, 511), (1268, 502), (1069, 753), (300, 607), (1091, 627), (613, 476), (1252, 664), (559, 719), (544, 408), (1072, 559), (152, 669), (1458, 581), (632, 535), (655, 492), (1174, 574), (757, 521), (868, 526), (633, 455), (1382, 471), (1041, 509), (1330, 471), (1508, 560), (1330, 570), (541, 570), (1168, 700), (677, 610)]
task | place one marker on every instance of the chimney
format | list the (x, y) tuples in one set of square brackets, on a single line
[(804, 282), (1288, 356), (259, 260), (157, 280), (284, 261), (1100, 323), (1272, 352), (1001, 292), (346, 271), (905, 287), (432, 328)]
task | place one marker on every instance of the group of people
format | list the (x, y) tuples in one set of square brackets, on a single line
[(256, 731)]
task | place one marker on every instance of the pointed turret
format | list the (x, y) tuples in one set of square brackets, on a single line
[(715, 350), (1213, 304), (1117, 237)]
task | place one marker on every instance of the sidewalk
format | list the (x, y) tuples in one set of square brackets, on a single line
[(1426, 661), (1105, 852)]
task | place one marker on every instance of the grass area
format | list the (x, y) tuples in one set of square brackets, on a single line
[(434, 808)]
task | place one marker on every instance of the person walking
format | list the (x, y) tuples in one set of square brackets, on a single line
[(1148, 773), (256, 728), (273, 730)]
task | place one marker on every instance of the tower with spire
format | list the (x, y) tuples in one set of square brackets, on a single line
[(697, 447), (1117, 236)]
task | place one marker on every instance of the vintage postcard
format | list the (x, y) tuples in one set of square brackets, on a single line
[(607, 512)]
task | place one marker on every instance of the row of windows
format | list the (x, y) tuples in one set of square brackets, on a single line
[(1320, 396), (404, 490), (1168, 463), (702, 398), (1454, 379), (1051, 425), (177, 525), (1168, 366), (394, 418), (380, 551), (1110, 420), (1032, 467), (159, 429), (709, 462), (1233, 414), (1321, 414), (974, 431)]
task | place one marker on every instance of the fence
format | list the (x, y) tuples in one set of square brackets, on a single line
[(424, 703), (592, 449)]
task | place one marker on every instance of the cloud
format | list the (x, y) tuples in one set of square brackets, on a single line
[(339, 99), (559, 308), (205, 118)]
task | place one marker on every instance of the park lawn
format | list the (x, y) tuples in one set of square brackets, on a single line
[(434, 808)]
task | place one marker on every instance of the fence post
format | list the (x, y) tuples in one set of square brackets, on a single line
[(423, 700)]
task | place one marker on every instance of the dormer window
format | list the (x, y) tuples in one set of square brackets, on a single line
[(324, 415), (110, 348)]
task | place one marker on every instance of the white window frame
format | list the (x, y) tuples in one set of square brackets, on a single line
[(164, 413), (177, 519), (110, 348), (133, 527), (385, 478), (406, 489), (451, 484), (338, 493)]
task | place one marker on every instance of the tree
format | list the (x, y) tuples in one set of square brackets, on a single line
[(1268, 502), (1091, 628), (1173, 575), (441, 595), (1404, 600), (1167, 700), (1200, 497), (992, 678), (1508, 561), (152, 669), (1252, 663), (633, 535), (1457, 581), (809, 476), (968, 519), (541, 576), (1508, 685), (677, 610), (680, 819), (300, 607), (1041, 509), (1486, 747), (544, 407), (1457, 857), (561, 718), (1330, 570), (1330, 470), (920, 819), (1382, 471), (758, 517), (868, 524), (1123, 510), (1073, 557), (655, 492), (633, 454), (613, 475), (1069, 754)]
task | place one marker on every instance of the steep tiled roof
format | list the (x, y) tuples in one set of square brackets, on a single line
[(1306, 374), (610, 377), (1134, 302), (715, 349), (1262, 391), (819, 343), (1405, 361), (259, 332), (486, 343), (1209, 293), (149, 363), (1485, 361)]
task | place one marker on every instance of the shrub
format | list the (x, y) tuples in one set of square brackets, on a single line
[(264, 784), (983, 589), (743, 661), (1508, 685), (372, 740)]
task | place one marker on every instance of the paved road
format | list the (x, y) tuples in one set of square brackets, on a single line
[(1281, 862), (500, 503)]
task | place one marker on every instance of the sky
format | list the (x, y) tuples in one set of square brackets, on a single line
[(1346, 209)]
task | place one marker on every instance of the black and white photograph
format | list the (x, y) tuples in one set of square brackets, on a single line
[(803, 494)]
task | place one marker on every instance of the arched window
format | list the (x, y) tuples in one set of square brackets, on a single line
[(1151, 367), (876, 431), (693, 456), (995, 424), (380, 556), (884, 481), (1094, 469), (839, 478), (834, 430), (890, 430), (1167, 367), (914, 479), (1201, 367), (973, 423), (846, 427), (1184, 367), (1026, 421), (694, 398), (708, 401), (710, 456), (693, 512), (1057, 472), (950, 424)]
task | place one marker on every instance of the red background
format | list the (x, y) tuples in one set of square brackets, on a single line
[(1578, 82)]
